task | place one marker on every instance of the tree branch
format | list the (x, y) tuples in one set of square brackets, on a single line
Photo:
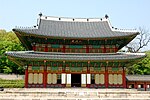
[(141, 41)]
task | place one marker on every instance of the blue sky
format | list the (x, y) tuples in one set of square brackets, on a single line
[(128, 14)]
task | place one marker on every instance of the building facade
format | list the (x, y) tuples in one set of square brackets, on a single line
[(74, 52)]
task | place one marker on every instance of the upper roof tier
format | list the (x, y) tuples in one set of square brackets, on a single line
[(75, 28)]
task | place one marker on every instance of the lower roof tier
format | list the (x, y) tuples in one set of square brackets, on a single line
[(74, 56), (141, 78)]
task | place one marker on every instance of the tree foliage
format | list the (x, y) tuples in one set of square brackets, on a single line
[(9, 42), (142, 67)]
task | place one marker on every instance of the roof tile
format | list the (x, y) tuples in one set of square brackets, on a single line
[(76, 29)]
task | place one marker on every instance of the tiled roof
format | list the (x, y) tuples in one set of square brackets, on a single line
[(74, 56), (138, 77), (75, 28)]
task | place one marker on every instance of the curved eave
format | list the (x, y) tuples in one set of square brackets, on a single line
[(24, 42), (30, 32), (15, 61), (140, 78), (76, 57)]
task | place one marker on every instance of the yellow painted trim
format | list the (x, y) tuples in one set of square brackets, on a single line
[(68, 85), (83, 85)]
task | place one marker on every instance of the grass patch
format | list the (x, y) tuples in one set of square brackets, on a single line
[(11, 83)]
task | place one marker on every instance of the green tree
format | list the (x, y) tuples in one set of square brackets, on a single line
[(9, 42), (142, 67)]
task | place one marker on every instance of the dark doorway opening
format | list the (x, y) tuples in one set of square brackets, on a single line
[(75, 80)]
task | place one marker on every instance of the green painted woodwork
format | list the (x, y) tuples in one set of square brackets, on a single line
[(35, 68), (116, 64), (68, 41), (96, 42), (109, 42), (79, 64), (122, 64), (60, 64), (76, 64), (57, 41), (48, 63), (75, 46), (110, 64), (55, 46), (45, 40), (96, 46), (97, 68), (118, 42), (54, 64), (110, 46), (35, 63), (104, 64), (75, 68), (115, 69), (29, 62), (54, 68), (84, 64), (73, 64)]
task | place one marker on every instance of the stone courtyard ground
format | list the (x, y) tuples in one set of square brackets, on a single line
[(72, 94)]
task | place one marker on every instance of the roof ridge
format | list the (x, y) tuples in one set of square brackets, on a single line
[(73, 19), (76, 28)]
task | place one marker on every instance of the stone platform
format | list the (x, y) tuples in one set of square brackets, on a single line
[(73, 94)]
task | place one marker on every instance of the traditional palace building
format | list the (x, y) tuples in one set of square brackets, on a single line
[(75, 52)]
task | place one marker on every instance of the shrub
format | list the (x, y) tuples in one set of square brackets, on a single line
[(11, 83)]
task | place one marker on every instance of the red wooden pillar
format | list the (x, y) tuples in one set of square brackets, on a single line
[(124, 77), (104, 50), (106, 77), (45, 75), (145, 86), (116, 49), (64, 49), (34, 47), (45, 78), (87, 49), (46, 47), (136, 85), (26, 78), (127, 85)]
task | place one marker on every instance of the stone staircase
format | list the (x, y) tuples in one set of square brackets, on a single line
[(73, 94)]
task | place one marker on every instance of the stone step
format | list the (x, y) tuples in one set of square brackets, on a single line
[(73, 94)]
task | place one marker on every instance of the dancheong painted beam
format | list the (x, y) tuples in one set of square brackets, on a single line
[(74, 52)]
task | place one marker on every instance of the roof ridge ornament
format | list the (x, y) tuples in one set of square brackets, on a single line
[(40, 14), (106, 16)]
